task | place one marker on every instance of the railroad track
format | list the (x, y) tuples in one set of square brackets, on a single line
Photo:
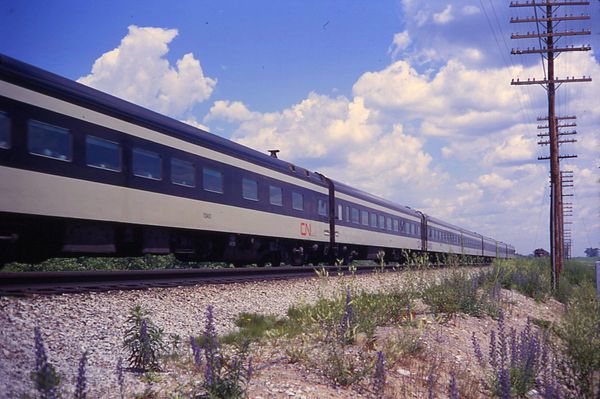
[(47, 283)]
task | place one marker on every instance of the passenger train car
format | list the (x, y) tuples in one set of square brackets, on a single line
[(83, 172)]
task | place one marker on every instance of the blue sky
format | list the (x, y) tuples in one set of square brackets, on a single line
[(408, 99)]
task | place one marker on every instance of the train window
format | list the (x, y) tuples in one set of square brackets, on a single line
[(364, 218), (388, 223), (146, 164), (49, 140), (183, 173), (340, 214), (322, 207), (381, 222), (4, 130), (212, 180), (275, 195), (395, 225), (297, 201), (355, 216), (103, 154), (250, 189), (373, 217), (347, 214)]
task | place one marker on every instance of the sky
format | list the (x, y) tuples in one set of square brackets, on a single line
[(408, 99)]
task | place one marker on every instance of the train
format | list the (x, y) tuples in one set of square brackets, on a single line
[(85, 173)]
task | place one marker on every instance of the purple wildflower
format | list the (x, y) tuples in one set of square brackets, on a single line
[(249, 370), (503, 345), (430, 383), (452, 387), (81, 383), (146, 346), (345, 329), (514, 348), (493, 350), (550, 389), (45, 378), (477, 348), (211, 347), (504, 383), (196, 350), (379, 375), (120, 377)]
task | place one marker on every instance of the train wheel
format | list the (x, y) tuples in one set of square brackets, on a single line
[(297, 257)]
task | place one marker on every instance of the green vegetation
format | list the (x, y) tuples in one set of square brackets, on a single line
[(83, 263), (579, 332), (143, 341), (461, 293)]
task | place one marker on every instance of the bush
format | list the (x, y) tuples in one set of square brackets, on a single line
[(530, 277), (574, 275), (45, 378), (368, 310), (459, 293), (580, 334)]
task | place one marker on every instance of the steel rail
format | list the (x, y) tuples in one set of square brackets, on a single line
[(47, 283)]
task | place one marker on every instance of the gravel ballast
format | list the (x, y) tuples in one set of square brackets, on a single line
[(95, 322)]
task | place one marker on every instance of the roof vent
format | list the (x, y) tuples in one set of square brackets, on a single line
[(273, 153)]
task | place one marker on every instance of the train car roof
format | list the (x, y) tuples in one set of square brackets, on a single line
[(346, 189), (37, 79), (452, 226)]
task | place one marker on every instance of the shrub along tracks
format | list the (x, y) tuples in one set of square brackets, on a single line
[(46, 283)]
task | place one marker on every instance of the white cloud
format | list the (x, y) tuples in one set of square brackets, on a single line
[(232, 111), (138, 72), (193, 122), (470, 10), (444, 17), (399, 44), (494, 181), (319, 125)]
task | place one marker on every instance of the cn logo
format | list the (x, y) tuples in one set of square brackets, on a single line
[(305, 229)]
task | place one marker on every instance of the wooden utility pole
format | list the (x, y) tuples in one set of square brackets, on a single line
[(546, 19)]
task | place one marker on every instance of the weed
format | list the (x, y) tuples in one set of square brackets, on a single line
[(45, 378), (379, 376), (80, 381), (458, 293), (143, 340), (517, 360), (345, 368), (253, 327), (347, 330), (223, 377), (400, 344), (580, 334), (296, 354), (120, 378)]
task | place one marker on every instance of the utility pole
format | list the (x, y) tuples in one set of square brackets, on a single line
[(546, 20), (567, 181)]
